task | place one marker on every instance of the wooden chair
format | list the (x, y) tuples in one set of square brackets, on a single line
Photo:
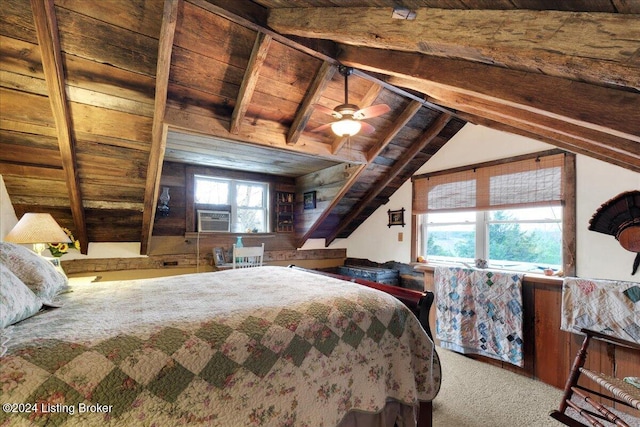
[(248, 256), (620, 391)]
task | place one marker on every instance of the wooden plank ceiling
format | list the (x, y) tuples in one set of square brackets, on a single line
[(95, 96)]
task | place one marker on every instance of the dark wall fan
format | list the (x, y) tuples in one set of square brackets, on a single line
[(349, 116)]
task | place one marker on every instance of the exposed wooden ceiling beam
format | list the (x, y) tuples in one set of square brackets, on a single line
[(320, 82), (418, 145), (493, 124), (250, 80), (406, 115), (551, 42), (159, 129), (624, 153), (576, 113), (48, 39), (575, 102)]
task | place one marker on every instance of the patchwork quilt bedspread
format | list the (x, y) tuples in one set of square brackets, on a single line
[(480, 312), (268, 346), (608, 306)]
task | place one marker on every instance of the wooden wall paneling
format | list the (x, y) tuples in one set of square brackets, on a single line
[(264, 107), (627, 364), (173, 176), (203, 76), (529, 330), (94, 39), (21, 66), (25, 107), (199, 31), (168, 262), (552, 350), (16, 20), (113, 225), (45, 157), (290, 69), (107, 79), (140, 16), (111, 123), (328, 184)]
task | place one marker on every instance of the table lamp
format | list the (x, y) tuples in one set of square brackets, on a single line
[(39, 229)]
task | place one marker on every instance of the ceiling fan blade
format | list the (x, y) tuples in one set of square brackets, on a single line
[(371, 111), (366, 128), (326, 110), (321, 128)]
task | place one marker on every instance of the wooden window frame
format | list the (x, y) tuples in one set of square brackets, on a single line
[(568, 203)]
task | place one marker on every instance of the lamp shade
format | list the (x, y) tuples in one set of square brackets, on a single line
[(37, 228), (346, 127)]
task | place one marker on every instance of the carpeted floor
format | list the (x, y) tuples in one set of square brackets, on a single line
[(475, 394)]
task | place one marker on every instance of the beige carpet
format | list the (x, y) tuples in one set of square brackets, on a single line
[(476, 394)]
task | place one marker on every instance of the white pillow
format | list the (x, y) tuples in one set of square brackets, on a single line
[(17, 301), (33, 270)]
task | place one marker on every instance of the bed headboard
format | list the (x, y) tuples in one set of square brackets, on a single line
[(8, 218)]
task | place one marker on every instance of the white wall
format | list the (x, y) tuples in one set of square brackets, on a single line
[(8, 217), (598, 255)]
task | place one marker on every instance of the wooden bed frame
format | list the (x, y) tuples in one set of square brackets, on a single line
[(418, 302)]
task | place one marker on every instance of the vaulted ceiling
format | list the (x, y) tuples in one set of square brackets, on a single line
[(95, 96)]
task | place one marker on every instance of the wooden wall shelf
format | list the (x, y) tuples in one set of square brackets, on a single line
[(285, 217)]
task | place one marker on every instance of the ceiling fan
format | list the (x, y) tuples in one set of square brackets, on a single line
[(349, 116)]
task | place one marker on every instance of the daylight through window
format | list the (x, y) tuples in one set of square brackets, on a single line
[(247, 201), (509, 214)]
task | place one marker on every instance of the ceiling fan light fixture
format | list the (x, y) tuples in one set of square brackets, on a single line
[(346, 127)]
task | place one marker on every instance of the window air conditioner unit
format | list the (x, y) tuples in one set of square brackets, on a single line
[(209, 221)]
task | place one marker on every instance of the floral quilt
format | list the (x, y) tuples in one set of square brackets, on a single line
[(608, 306), (480, 311), (267, 346)]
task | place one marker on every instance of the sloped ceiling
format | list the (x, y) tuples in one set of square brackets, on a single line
[(94, 96)]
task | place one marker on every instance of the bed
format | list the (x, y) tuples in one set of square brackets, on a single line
[(265, 346)]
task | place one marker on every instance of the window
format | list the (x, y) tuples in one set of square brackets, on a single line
[(247, 201), (509, 213), (513, 239)]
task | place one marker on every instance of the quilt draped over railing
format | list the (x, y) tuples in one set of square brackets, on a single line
[(480, 312), (608, 306)]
